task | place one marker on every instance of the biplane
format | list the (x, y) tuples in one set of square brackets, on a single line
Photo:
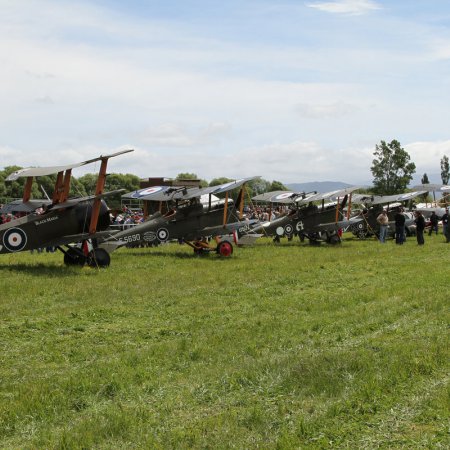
[(365, 223), (195, 214), (438, 208), (307, 219), (61, 221)]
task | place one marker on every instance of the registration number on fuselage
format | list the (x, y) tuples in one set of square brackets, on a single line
[(132, 238)]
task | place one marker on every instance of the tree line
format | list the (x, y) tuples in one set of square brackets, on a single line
[(392, 171)]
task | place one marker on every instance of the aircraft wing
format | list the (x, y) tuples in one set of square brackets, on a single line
[(240, 227), (166, 193), (377, 200), (73, 238), (432, 188), (219, 189), (277, 197), (74, 201), (20, 206), (332, 225), (156, 193), (41, 171), (232, 185), (332, 195)]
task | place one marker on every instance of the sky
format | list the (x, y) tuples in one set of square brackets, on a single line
[(294, 91)]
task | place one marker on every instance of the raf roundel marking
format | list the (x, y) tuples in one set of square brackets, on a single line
[(14, 239), (162, 234), (283, 196), (150, 190), (288, 229)]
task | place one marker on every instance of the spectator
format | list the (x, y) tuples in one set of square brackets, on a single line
[(445, 223), (383, 220), (399, 227), (434, 220), (420, 226)]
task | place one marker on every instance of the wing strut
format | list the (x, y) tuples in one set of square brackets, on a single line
[(98, 191), (337, 209), (58, 187), (27, 190), (225, 209)]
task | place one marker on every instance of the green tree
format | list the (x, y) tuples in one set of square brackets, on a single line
[(220, 180), (186, 176), (14, 189), (391, 168), (445, 170), (191, 176), (277, 186)]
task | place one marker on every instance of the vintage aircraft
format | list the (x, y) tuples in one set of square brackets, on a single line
[(194, 217), (365, 224), (307, 219), (62, 221), (438, 208)]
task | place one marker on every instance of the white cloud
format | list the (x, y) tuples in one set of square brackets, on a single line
[(427, 155), (351, 7), (322, 111)]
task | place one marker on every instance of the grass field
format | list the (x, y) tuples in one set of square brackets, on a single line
[(288, 346)]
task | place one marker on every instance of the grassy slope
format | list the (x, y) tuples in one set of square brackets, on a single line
[(289, 346)]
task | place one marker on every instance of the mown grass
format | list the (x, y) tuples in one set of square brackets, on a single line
[(287, 346)]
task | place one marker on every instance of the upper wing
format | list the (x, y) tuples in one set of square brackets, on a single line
[(41, 171), (277, 197), (432, 187), (332, 195), (156, 193), (167, 193), (74, 201)]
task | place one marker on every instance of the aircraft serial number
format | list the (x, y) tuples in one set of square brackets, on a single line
[(132, 238)]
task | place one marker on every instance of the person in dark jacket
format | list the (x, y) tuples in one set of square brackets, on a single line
[(420, 226), (399, 227), (434, 220)]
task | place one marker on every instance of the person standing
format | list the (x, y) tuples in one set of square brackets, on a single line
[(399, 227), (420, 226), (383, 220), (445, 223), (434, 220)]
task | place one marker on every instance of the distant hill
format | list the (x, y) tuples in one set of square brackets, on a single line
[(318, 186)]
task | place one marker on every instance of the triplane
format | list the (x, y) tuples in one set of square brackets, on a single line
[(62, 221)]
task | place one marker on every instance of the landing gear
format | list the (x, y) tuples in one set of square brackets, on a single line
[(99, 257), (224, 249), (362, 234), (334, 239), (74, 257)]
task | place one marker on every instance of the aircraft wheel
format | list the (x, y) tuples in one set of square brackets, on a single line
[(99, 257), (74, 258), (334, 239), (224, 249), (362, 234)]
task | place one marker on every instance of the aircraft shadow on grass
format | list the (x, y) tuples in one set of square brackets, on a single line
[(40, 269), (174, 255)]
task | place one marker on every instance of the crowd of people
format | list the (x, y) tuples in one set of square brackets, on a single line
[(419, 222)]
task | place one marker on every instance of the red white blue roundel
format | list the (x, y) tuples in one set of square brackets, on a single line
[(283, 195), (148, 191), (14, 239), (162, 234)]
